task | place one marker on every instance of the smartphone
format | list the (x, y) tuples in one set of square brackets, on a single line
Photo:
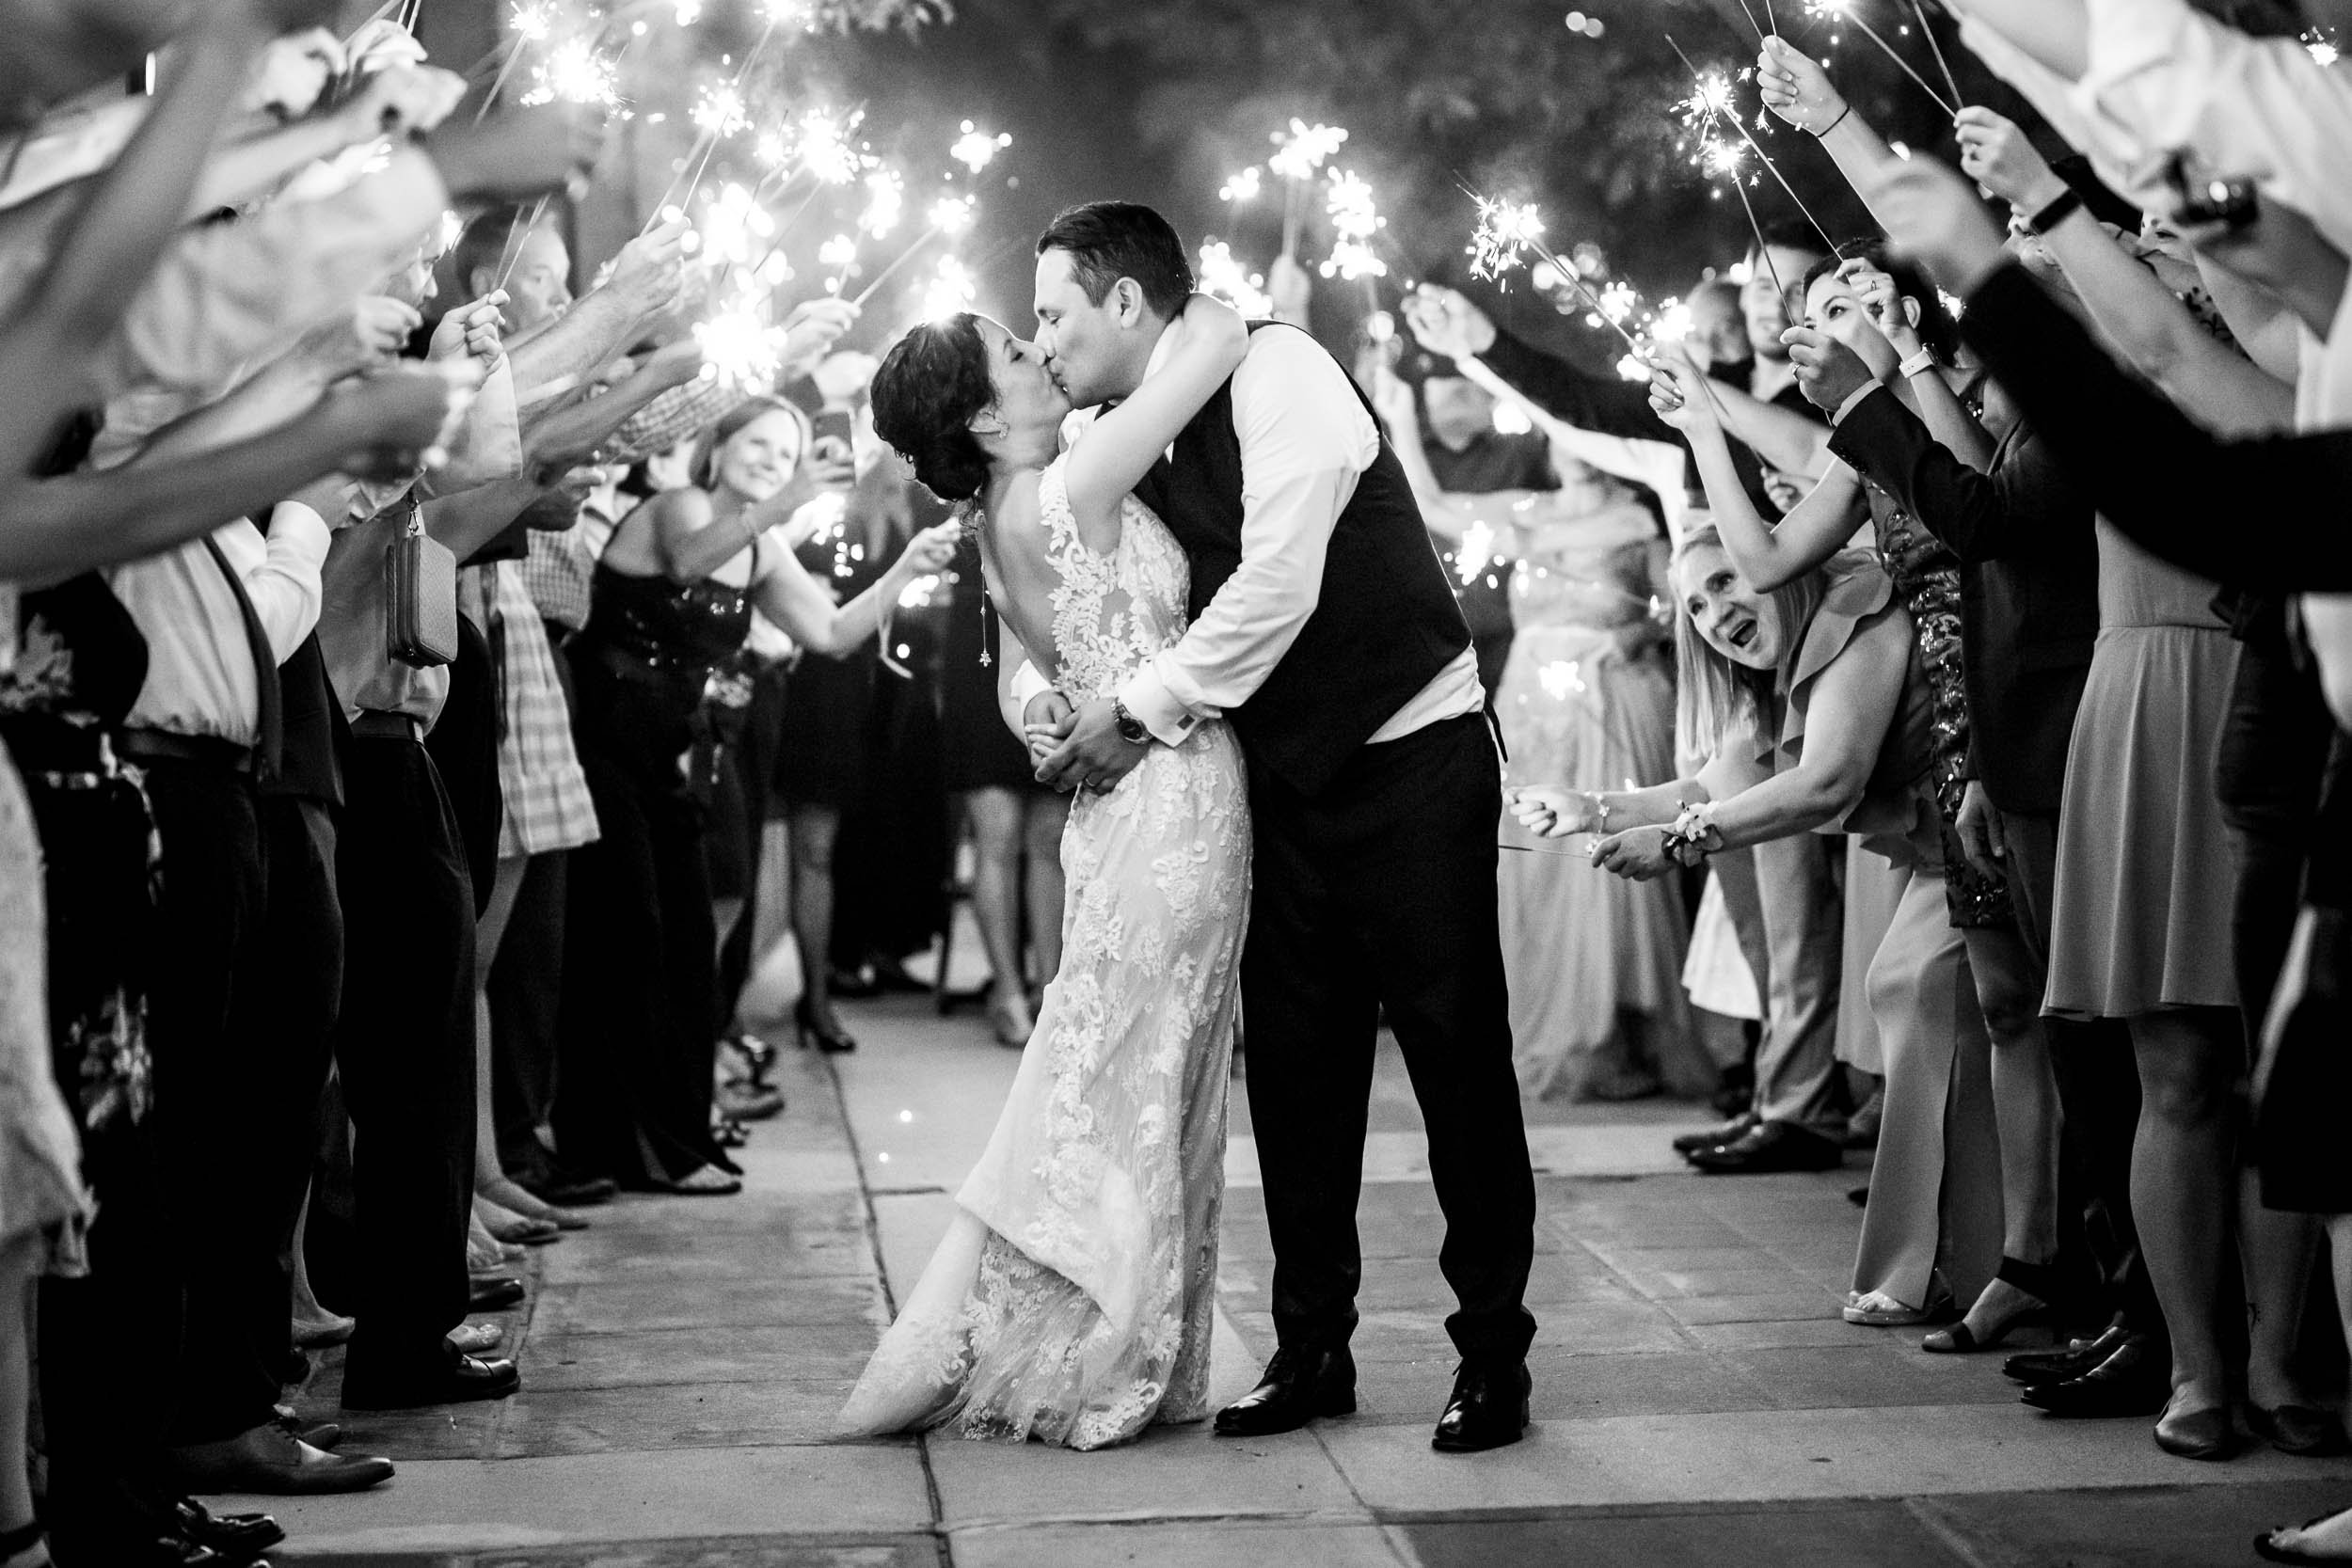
[(2230, 202), (833, 427)]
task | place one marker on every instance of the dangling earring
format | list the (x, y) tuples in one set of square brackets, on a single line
[(986, 620)]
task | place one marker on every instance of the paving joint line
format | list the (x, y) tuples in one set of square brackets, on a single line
[(890, 1302)]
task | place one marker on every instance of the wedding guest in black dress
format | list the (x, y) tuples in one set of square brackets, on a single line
[(672, 597)]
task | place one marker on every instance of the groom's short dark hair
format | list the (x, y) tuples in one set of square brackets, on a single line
[(1107, 241)]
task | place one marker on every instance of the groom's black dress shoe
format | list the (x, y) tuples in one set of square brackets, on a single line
[(1771, 1145), (1298, 1386), (1715, 1137), (2064, 1365), (2134, 1381), (1488, 1409)]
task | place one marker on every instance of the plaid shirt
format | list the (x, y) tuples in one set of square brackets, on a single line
[(547, 802), (671, 417), (557, 573)]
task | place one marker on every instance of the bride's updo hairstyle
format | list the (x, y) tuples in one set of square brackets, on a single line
[(931, 384)]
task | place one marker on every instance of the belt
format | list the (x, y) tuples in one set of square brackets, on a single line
[(372, 725), (210, 750)]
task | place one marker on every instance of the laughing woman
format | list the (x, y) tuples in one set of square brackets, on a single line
[(1825, 671), (672, 597)]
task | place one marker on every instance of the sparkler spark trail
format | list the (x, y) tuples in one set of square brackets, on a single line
[(1355, 220), (1299, 153), (1843, 10), (1244, 186), (1769, 167)]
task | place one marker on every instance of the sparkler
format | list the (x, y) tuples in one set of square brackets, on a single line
[(1771, 168), (528, 23), (1299, 154), (1244, 186), (950, 215), (576, 73), (1223, 277), (1356, 221), (1844, 11), (1722, 158), (1950, 80), (1507, 227), (951, 290), (740, 349), (975, 148)]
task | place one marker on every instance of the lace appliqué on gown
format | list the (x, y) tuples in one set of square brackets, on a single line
[(1072, 1297)]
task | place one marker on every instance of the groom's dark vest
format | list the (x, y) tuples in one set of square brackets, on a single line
[(1384, 625)]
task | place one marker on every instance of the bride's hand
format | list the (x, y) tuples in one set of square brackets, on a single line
[(1555, 813), (1047, 722)]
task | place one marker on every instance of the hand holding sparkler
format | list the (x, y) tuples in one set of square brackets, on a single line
[(1550, 812), (1997, 155), (1678, 394), (649, 272), (471, 329), (1828, 370), (1795, 87), (809, 334), (402, 101), (1889, 311), (1444, 321)]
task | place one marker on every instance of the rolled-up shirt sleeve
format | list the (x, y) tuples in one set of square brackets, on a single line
[(286, 589), (2261, 110), (1306, 439)]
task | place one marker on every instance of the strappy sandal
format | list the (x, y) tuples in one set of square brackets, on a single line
[(2268, 1548), (2040, 1281)]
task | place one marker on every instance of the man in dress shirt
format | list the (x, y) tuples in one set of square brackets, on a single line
[(243, 992)]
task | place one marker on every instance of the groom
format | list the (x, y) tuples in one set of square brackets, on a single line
[(1325, 632)]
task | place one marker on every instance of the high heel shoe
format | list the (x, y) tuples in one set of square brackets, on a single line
[(828, 1035), (1009, 1020), (760, 1058), (727, 1133), (2042, 1281)]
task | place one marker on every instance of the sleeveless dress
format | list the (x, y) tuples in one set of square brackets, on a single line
[(638, 1023), (1072, 1297), (1934, 1207), (1597, 1009), (2140, 915)]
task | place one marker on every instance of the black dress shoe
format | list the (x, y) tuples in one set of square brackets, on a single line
[(1715, 1137), (2131, 1382), (2062, 1365), (243, 1536), (272, 1459), (1488, 1409), (495, 1294), (452, 1379), (1297, 1386), (1771, 1146), (550, 1182), (2297, 1428)]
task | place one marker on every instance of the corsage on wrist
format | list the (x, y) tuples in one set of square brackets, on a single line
[(1693, 835)]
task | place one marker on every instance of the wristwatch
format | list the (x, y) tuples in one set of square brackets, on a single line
[(2050, 213), (1130, 728)]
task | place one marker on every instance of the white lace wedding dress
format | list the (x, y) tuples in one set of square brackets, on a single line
[(1072, 1298)]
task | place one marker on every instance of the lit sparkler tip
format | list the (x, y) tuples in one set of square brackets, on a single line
[(1224, 278), (1720, 156), (2322, 48), (720, 112), (885, 201), (576, 73), (952, 215), (975, 148), (1304, 148), (840, 252), (1244, 186), (532, 22), (951, 290), (827, 147), (688, 13), (799, 15)]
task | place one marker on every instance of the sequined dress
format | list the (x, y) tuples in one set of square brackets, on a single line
[(1072, 1297), (1927, 578)]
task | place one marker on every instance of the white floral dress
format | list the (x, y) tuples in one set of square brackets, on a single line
[(1073, 1296)]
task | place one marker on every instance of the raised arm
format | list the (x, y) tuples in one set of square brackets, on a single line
[(1120, 446), (788, 595), (1767, 557), (2126, 301)]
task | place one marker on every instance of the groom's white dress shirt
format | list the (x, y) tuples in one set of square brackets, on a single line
[(1305, 437)]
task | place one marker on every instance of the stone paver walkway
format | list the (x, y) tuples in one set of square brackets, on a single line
[(1697, 1399)]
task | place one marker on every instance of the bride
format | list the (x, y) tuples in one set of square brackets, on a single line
[(1072, 1298)]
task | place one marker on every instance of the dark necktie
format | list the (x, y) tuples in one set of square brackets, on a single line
[(269, 748)]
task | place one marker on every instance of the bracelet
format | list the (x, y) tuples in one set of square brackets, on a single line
[(1835, 123), (1918, 364), (2059, 208)]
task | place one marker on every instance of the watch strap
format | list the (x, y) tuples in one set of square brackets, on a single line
[(2051, 212)]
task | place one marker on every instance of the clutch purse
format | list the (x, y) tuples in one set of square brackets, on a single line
[(419, 597)]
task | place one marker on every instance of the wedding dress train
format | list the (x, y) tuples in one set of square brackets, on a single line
[(1072, 1297)]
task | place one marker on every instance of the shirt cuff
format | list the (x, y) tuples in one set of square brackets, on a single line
[(1853, 401), (1156, 708), (296, 527)]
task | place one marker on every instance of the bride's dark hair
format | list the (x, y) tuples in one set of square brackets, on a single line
[(930, 385)]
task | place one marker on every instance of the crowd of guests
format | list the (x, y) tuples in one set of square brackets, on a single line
[(432, 702)]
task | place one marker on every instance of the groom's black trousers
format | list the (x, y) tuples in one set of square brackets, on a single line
[(1380, 892)]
